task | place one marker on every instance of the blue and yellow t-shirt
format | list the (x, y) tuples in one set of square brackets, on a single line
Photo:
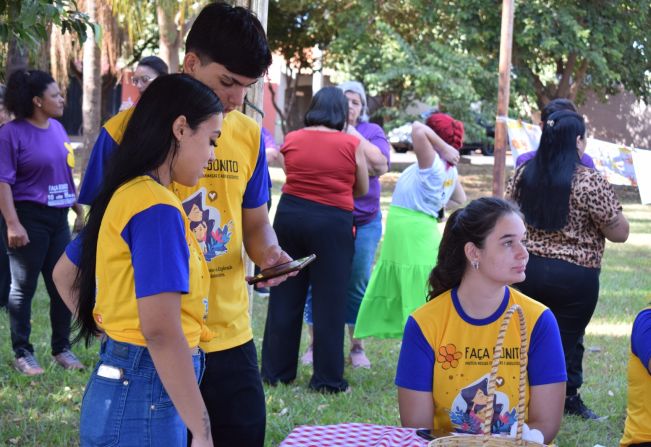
[(637, 428), (238, 178), (145, 247), (449, 353)]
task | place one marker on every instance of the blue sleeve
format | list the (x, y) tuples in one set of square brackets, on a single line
[(257, 189), (641, 337), (94, 174), (546, 358), (416, 362), (159, 251), (73, 250)]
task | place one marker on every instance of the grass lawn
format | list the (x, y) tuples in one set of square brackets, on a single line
[(44, 411)]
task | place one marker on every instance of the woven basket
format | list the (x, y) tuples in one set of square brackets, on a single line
[(486, 439)]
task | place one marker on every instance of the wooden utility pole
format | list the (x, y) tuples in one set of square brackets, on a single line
[(503, 90)]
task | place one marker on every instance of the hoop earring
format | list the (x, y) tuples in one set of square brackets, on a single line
[(475, 264)]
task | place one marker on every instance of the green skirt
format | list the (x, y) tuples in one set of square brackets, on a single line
[(398, 284)]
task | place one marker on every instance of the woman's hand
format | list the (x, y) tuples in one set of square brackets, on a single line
[(79, 220), (450, 154), (16, 235), (79, 223), (196, 442)]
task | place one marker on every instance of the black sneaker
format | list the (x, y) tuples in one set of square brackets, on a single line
[(574, 405)]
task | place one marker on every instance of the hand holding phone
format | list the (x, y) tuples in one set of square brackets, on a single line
[(281, 269)]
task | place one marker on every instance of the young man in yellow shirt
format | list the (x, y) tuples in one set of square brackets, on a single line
[(227, 50)]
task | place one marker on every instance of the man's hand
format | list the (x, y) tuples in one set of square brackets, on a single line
[(274, 256)]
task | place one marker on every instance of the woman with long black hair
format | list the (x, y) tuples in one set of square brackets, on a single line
[(143, 279), (570, 210)]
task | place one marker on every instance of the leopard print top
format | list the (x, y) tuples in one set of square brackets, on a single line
[(593, 204)]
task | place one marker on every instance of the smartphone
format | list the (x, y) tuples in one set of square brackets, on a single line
[(281, 269), (426, 434), (109, 372)]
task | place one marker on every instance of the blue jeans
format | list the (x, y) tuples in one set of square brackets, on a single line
[(134, 409), (366, 241)]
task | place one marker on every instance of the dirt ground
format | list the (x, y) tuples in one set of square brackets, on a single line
[(477, 181)]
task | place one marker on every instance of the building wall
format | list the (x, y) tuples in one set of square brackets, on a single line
[(621, 119)]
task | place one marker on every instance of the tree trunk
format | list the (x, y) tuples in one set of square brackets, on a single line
[(169, 41), (91, 85)]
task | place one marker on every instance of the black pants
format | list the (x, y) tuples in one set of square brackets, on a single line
[(5, 275), (304, 227), (233, 394), (571, 292), (49, 233)]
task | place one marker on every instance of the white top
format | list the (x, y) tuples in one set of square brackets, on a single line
[(426, 190)]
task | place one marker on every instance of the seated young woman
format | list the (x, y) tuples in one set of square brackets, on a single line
[(447, 347)]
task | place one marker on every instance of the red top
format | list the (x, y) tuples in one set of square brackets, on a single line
[(320, 166)]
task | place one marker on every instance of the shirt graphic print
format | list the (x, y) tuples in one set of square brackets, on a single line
[(205, 222)]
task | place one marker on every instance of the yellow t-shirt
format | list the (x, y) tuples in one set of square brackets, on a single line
[(448, 353), (637, 428), (236, 179), (215, 204), (129, 262)]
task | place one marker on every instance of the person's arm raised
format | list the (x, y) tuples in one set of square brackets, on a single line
[(160, 322), (427, 144)]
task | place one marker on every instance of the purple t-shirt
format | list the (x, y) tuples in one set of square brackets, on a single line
[(367, 206), (586, 160), (37, 163)]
